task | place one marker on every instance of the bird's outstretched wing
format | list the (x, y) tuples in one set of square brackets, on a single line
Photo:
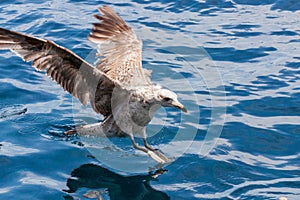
[(120, 48), (70, 71)]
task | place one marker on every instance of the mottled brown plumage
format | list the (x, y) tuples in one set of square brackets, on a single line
[(118, 87), (121, 49), (70, 71)]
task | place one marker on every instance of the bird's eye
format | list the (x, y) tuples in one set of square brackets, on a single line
[(167, 99)]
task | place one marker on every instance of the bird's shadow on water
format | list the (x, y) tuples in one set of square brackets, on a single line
[(104, 182)]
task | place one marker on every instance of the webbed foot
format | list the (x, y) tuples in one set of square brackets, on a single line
[(158, 156)]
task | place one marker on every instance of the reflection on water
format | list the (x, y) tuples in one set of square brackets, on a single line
[(255, 47), (104, 182)]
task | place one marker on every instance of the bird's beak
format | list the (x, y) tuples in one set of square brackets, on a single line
[(178, 105)]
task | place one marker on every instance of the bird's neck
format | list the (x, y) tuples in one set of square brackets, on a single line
[(146, 94), (145, 101)]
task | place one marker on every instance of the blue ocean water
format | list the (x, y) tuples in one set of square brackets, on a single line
[(235, 64)]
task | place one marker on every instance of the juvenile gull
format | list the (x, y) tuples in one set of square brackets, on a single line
[(118, 87)]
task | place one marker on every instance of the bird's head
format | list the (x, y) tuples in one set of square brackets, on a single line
[(168, 98)]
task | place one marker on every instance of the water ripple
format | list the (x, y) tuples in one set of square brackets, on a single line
[(253, 45), (9, 149)]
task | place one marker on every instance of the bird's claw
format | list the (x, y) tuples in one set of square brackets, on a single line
[(159, 157)]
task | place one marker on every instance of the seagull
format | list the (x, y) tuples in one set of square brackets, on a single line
[(117, 87)]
